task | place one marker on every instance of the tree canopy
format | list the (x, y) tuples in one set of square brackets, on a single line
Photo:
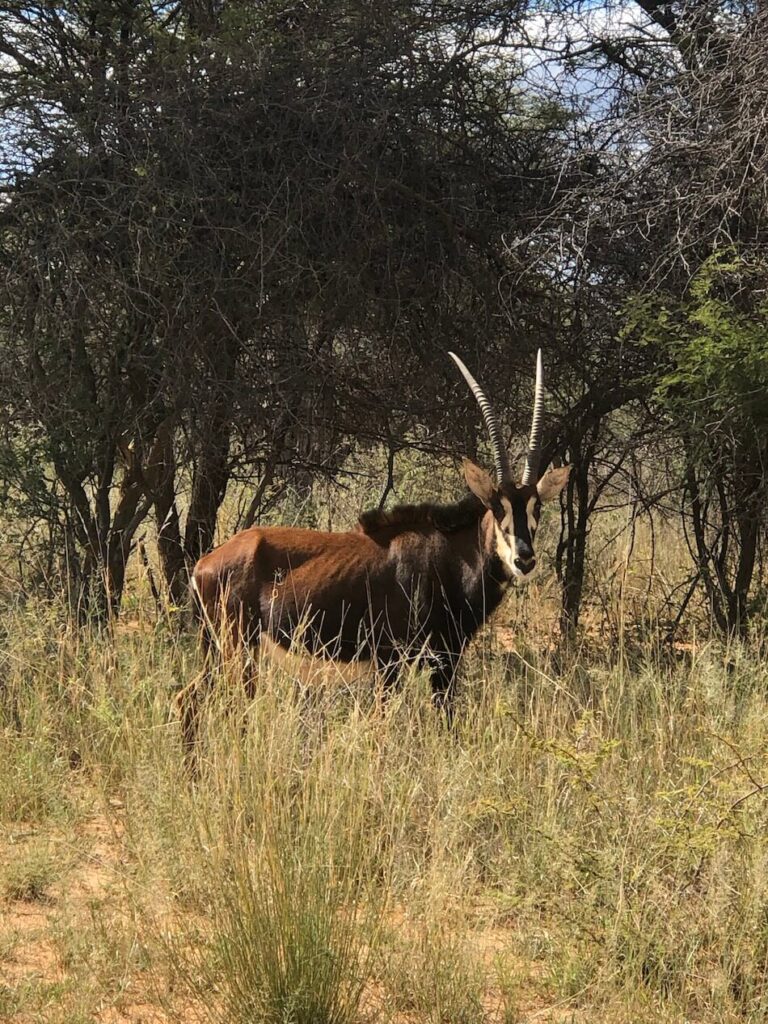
[(237, 240)]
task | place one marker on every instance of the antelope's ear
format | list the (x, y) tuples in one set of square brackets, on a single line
[(480, 483), (553, 481)]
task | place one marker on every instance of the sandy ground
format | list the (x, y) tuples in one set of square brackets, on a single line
[(57, 965)]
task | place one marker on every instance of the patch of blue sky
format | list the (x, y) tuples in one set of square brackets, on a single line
[(566, 44)]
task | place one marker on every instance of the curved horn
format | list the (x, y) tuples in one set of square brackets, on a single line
[(500, 457), (530, 474)]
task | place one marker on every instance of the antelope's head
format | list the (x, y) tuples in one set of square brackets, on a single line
[(515, 507)]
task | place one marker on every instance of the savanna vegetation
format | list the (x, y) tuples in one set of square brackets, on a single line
[(236, 241)]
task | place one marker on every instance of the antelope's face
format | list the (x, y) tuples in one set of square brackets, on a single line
[(516, 531), (516, 511), (515, 508)]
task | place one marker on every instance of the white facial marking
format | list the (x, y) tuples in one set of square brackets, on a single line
[(506, 543), (505, 551), (506, 522)]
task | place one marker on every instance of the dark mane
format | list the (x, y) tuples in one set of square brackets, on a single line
[(445, 518)]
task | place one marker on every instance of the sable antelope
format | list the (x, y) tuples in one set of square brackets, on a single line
[(415, 582)]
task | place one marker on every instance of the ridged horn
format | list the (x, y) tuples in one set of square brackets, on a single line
[(500, 457), (532, 459)]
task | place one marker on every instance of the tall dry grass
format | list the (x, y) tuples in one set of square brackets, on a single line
[(587, 843)]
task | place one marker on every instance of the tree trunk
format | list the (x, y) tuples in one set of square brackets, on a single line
[(212, 433), (750, 502), (209, 485), (573, 539), (727, 578), (161, 475), (131, 511)]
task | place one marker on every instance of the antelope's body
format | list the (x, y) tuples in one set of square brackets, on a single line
[(415, 583), (417, 580)]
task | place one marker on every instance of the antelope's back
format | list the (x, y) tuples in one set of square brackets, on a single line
[(248, 569)]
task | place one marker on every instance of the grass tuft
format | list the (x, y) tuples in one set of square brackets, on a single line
[(30, 875)]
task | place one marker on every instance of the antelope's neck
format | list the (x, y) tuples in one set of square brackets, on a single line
[(489, 581)]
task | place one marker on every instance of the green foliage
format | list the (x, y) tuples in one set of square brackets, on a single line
[(712, 344)]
